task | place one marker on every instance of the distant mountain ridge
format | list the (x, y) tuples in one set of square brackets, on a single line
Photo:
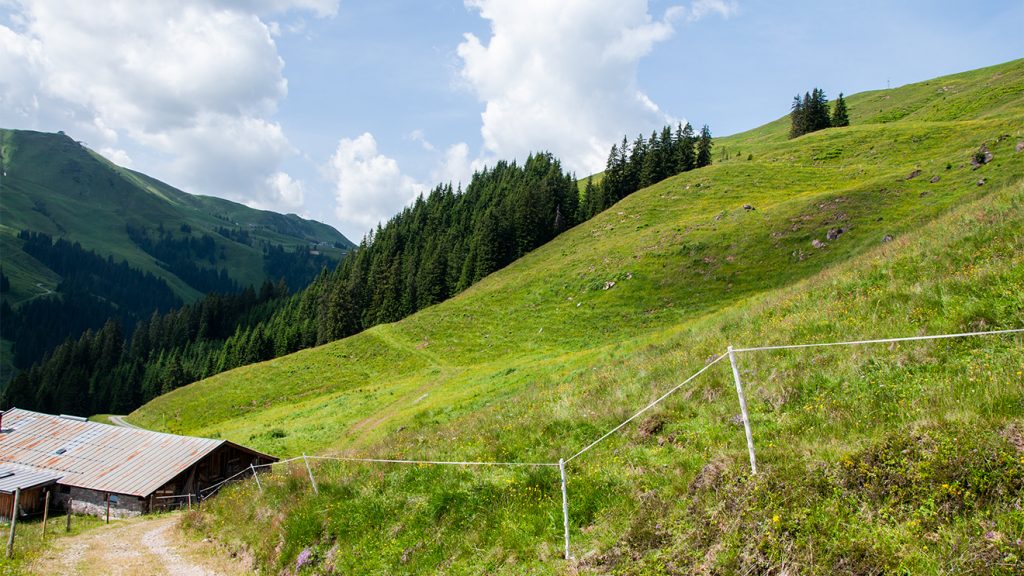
[(61, 202)]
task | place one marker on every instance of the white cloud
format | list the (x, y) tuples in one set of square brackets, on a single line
[(191, 85), (117, 156), (561, 76), (701, 8), (369, 187), (456, 167), (417, 135)]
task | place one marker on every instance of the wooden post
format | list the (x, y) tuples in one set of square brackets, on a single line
[(310, 470), (46, 512), (190, 501), (108, 507), (68, 527), (14, 522)]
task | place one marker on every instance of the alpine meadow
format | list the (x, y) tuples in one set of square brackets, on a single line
[(894, 458)]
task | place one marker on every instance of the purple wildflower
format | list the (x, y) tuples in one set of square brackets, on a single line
[(304, 557)]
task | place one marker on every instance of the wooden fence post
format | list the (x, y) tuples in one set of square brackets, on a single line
[(14, 522), (70, 504), (46, 512)]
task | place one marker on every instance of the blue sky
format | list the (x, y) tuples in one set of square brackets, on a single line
[(344, 111)]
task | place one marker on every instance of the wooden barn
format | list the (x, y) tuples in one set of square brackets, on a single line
[(93, 467), (32, 485)]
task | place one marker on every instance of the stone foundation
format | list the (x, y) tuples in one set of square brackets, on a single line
[(95, 503)]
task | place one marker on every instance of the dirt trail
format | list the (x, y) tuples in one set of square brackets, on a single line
[(137, 547)]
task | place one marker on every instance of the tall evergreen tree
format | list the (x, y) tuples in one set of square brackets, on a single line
[(798, 118), (686, 155), (840, 116), (704, 147)]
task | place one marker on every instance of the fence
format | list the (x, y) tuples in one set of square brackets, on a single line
[(731, 353)]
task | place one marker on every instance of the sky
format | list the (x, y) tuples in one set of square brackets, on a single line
[(344, 111)]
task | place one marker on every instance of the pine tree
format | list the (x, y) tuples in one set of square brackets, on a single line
[(840, 116), (798, 118), (704, 147), (686, 156)]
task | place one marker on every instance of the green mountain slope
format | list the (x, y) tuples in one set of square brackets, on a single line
[(54, 185), (901, 458)]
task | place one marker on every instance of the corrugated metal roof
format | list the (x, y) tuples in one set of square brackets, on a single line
[(22, 477), (99, 456)]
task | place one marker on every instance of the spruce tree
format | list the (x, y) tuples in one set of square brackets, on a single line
[(686, 156), (798, 118), (704, 147), (840, 116)]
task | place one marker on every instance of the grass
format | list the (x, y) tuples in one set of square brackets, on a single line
[(29, 542), (884, 459)]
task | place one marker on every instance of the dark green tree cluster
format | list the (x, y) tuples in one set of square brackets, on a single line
[(438, 246), (106, 371), (631, 167), (92, 290), (5, 282), (811, 113), (180, 254), (297, 267)]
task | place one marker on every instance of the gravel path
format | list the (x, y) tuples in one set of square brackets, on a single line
[(141, 546)]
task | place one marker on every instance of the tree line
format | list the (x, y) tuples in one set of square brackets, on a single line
[(646, 162), (441, 244), (811, 113), (92, 289)]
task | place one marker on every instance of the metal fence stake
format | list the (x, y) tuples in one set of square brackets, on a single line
[(565, 507), (311, 480), (255, 477), (743, 411)]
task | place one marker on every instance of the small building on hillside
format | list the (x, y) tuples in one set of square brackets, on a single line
[(92, 466)]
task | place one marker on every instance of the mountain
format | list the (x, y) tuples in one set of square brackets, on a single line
[(873, 459), (55, 185), (84, 240)]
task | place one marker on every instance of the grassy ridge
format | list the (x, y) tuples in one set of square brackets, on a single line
[(547, 354), (58, 186)]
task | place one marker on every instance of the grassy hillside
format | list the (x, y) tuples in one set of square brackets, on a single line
[(55, 185), (884, 459)]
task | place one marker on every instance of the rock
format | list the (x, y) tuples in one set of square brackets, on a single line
[(609, 285), (887, 238), (935, 179), (748, 207), (913, 174), (981, 182), (834, 233), (1020, 147), (817, 243), (981, 157)]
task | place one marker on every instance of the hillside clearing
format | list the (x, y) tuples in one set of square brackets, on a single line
[(890, 459)]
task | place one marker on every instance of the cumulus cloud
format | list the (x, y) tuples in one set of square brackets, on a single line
[(369, 187), (561, 76), (194, 83)]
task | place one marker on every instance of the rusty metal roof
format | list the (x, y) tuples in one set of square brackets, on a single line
[(100, 456), (14, 477)]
